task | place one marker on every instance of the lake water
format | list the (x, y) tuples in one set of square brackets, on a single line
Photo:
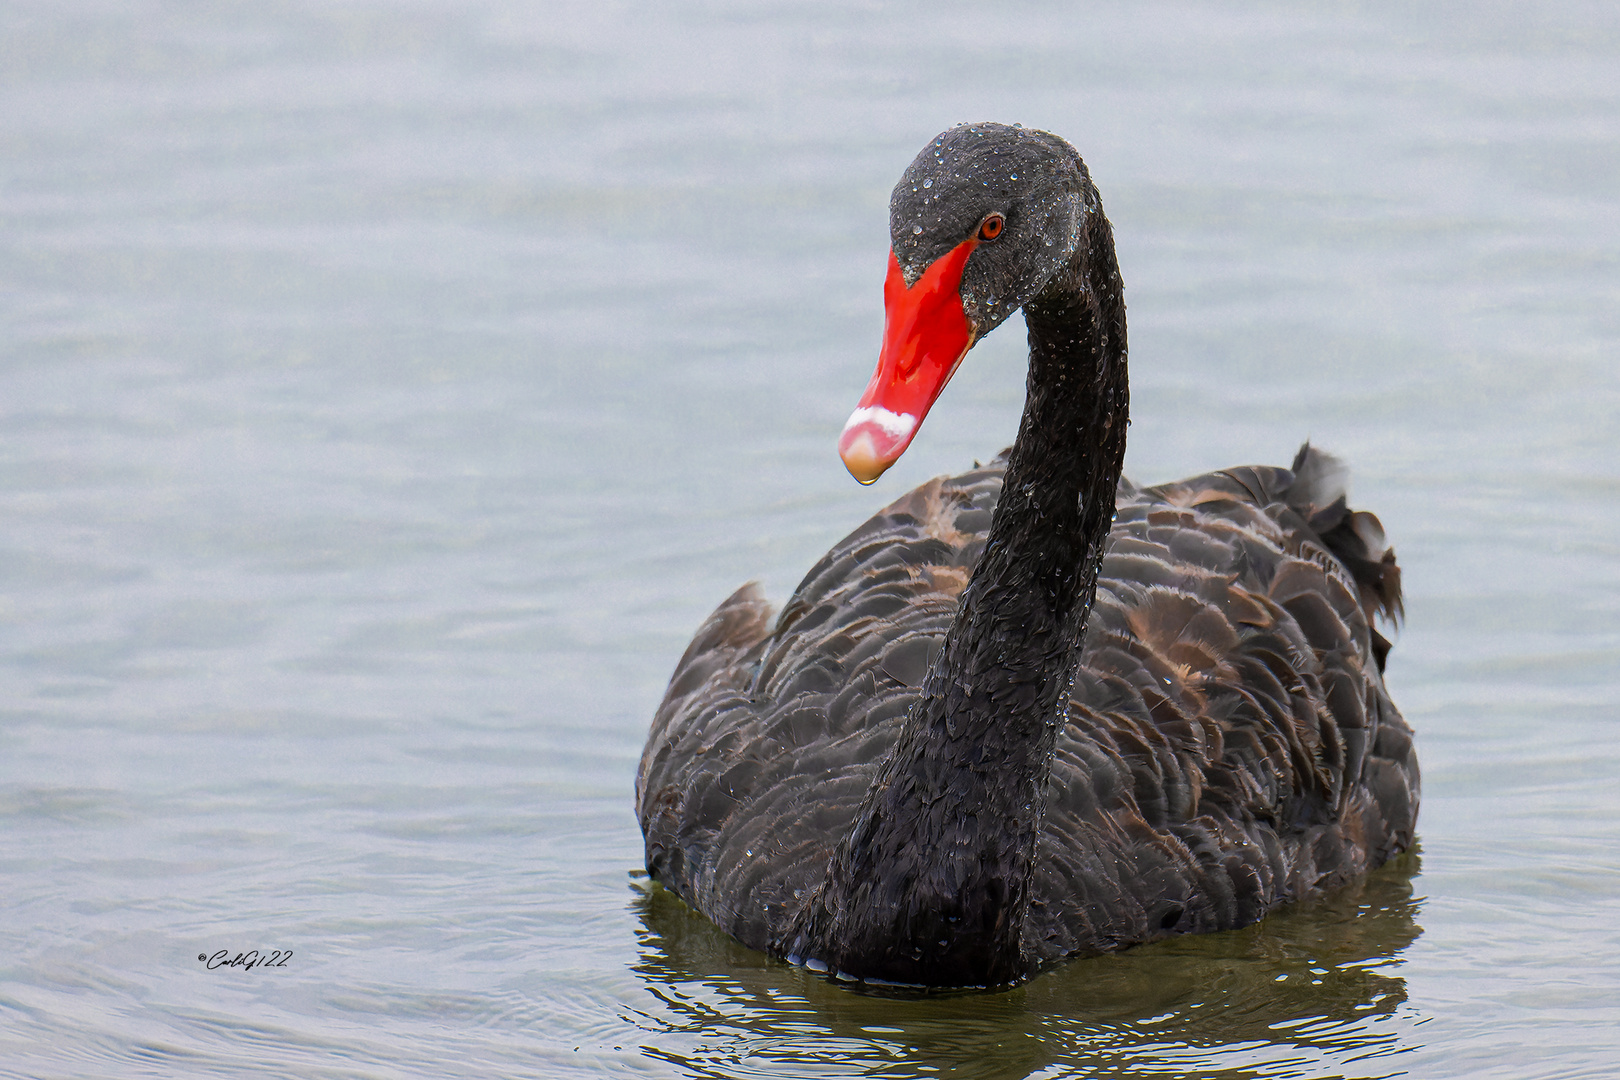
[(388, 390)]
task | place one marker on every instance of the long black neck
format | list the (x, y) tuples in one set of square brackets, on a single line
[(932, 884)]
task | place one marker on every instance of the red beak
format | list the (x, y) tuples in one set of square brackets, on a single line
[(925, 335)]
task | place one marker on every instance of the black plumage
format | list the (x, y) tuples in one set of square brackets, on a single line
[(1033, 711)]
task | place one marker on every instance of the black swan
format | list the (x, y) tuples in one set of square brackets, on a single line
[(1032, 711)]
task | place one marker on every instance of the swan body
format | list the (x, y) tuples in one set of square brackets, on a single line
[(1032, 711)]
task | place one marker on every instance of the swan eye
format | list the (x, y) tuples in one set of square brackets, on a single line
[(990, 227)]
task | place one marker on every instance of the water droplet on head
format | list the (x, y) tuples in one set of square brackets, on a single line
[(916, 230), (928, 182)]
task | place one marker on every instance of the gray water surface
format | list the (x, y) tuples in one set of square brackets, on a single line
[(388, 390)]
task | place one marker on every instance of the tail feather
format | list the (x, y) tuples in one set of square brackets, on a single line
[(1355, 537)]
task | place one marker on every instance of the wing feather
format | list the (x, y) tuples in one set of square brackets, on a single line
[(1230, 745)]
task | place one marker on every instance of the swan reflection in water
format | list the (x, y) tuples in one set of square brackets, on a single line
[(1313, 985)]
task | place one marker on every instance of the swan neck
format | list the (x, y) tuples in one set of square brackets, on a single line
[(932, 884)]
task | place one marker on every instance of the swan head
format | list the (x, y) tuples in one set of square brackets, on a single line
[(980, 222)]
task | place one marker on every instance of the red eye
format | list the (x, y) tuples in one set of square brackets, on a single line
[(990, 227)]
